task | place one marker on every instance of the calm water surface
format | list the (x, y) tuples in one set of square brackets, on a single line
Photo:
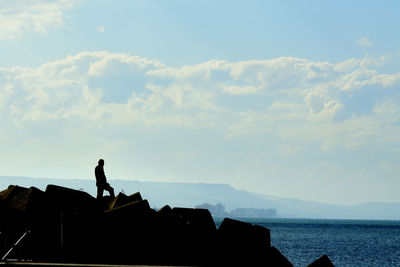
[(346, 242)]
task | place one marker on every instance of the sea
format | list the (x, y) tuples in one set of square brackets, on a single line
[(346, 242)]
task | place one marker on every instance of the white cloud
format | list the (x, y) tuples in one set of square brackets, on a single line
[(364, 42), (18, 17), (361, 77), (203, 71), (101, 29), (289, 98), (251, 118), (105, 61), (236, 90)]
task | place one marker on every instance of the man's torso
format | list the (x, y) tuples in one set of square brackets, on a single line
[(100, 176)]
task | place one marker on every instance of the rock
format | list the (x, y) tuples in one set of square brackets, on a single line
[(128, 233), (8, 194), (25, 210), (274, 258), (131, 209), (122, 199), (194, 236), (164, 211), (246, 243), (74, 219), (195, 219), (28, 201), (70, 199), (72, 226), (239, 234), (324, 261), (28, 209)]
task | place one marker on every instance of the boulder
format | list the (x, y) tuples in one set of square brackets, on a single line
[(130, 211), (274, 258), (122, 199), (188, 236), (128, 233), (70, 199), (164, 211), (30, 200), (69, 225), (323, 261), (74, 219), (30, 210), (247, 244), (240, 234), (194, 219), (8, 194), (24, 210)]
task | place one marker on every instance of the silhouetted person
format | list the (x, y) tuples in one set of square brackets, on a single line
[(101, 181)]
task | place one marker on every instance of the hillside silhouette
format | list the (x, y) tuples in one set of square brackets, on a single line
[(194, 194)]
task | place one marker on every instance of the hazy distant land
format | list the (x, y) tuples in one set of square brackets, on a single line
[(193, 194)]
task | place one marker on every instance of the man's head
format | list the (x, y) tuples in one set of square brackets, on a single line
[(101, 162)]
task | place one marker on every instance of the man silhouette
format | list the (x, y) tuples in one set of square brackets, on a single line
[(101, 180)]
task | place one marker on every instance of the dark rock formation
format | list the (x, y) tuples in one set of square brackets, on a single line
[(324, 261), (253, 241), (67, 225)]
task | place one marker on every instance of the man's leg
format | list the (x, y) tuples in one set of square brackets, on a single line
[(110, 190), (100, 191)]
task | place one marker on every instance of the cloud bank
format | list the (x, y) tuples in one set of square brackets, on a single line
[(176, 122), (292, 98)]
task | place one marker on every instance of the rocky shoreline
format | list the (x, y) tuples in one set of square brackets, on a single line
[(70, 226)]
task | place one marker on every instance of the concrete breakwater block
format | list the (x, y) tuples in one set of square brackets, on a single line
[(122, 199), (69, 199), (199, 220), (323, 261), (273, 257), (249, 245), (28, 201), (132, 211), (68, 225), (188, 235), (240, 234), (7, 195)]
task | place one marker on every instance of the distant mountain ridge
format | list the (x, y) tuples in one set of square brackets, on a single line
[(160, 194)]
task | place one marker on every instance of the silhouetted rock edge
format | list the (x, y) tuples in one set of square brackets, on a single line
[(67, 225)]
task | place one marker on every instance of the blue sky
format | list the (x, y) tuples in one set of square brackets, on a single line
[(286, 98)]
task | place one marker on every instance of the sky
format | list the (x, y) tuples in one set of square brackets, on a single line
[(297, 99)]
